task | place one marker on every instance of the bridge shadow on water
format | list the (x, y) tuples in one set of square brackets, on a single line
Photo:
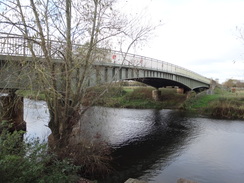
[(146, 150)]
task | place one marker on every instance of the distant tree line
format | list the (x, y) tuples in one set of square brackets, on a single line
[(234, 83)]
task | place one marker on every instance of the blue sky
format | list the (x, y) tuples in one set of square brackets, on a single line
[(199, 35)]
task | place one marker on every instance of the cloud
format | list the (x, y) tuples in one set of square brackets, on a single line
[(198, 34)]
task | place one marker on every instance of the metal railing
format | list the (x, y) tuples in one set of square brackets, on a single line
[(15, 45)]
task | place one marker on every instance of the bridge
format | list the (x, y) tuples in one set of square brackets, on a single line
[(16, 68), (20, 70)]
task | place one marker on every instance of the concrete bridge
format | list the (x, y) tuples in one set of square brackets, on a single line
[(16, 68)]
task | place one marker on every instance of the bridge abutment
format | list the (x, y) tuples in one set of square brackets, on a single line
[(156, 95), (11, 112), (180, 90)]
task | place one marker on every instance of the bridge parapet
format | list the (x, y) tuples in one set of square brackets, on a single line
[(139, 61)]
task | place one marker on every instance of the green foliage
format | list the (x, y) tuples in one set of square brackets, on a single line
[(221, 91), (139, 93), (30, 161), (128, 89), (11, 143), (143, 104), (36, 95), (229, 108), (115, 91), (199, 102), (222, 104), (94, 156), (141, 98)]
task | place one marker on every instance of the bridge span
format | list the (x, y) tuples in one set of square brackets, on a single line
[(18, 68)]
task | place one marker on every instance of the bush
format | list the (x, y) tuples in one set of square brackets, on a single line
[(199, 102), (31, 162), (100, 94), (227, 108), (93, 153), (140, 93)]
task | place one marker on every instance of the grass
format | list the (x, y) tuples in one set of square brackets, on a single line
[(129, 89), (36, 95), (200, 101), (222, 104), (30, 161), (123, 97), (141, 98)]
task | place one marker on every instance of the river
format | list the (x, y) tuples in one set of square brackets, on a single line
[(159, 146)]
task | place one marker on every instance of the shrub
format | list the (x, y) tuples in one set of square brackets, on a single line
[(94, 155), (227, 108), (102, 93), (31, 162), (140, 93)]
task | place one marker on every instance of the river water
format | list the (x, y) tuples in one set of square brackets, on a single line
[(159, 146)]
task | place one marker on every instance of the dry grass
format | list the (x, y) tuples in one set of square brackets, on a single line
[(93, 155)]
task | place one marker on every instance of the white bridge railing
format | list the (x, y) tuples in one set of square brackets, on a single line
[(15, 45)]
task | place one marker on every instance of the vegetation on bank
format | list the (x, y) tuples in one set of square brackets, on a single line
[(222, 104), (137, 97), (31, 94), (140, 98), (29, 161)]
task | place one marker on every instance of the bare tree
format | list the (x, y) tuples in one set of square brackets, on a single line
[(51, 30)]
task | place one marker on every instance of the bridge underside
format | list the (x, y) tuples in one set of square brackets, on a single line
[(154, 78), (161, 83)]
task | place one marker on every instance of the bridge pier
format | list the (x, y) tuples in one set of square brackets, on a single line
[(11, 112), (180, 90), (156, 94)]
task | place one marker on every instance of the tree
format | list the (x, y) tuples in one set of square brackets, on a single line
[(51, 29), (230, 83), (233, 83)]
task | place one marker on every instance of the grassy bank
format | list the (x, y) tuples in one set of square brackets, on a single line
[(30, 161), (141, 98), (137, 97), (222, 104), (31, 94)]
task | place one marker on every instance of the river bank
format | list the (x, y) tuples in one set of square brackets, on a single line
[(221, 104), (141, 98), (135, 97)]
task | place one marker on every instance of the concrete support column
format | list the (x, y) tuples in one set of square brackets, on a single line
[(180, 90), (156, 94), (11, 112)]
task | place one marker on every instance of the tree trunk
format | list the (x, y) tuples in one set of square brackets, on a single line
[(12, 112), (62, 125)]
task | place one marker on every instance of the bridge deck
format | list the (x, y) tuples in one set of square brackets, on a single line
[(113, 65)]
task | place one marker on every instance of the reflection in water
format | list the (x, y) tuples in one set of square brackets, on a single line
[(214, 154), (36, 116), (142, 139), (159, 145)]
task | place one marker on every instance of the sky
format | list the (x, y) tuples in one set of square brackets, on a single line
[(200, 35)]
